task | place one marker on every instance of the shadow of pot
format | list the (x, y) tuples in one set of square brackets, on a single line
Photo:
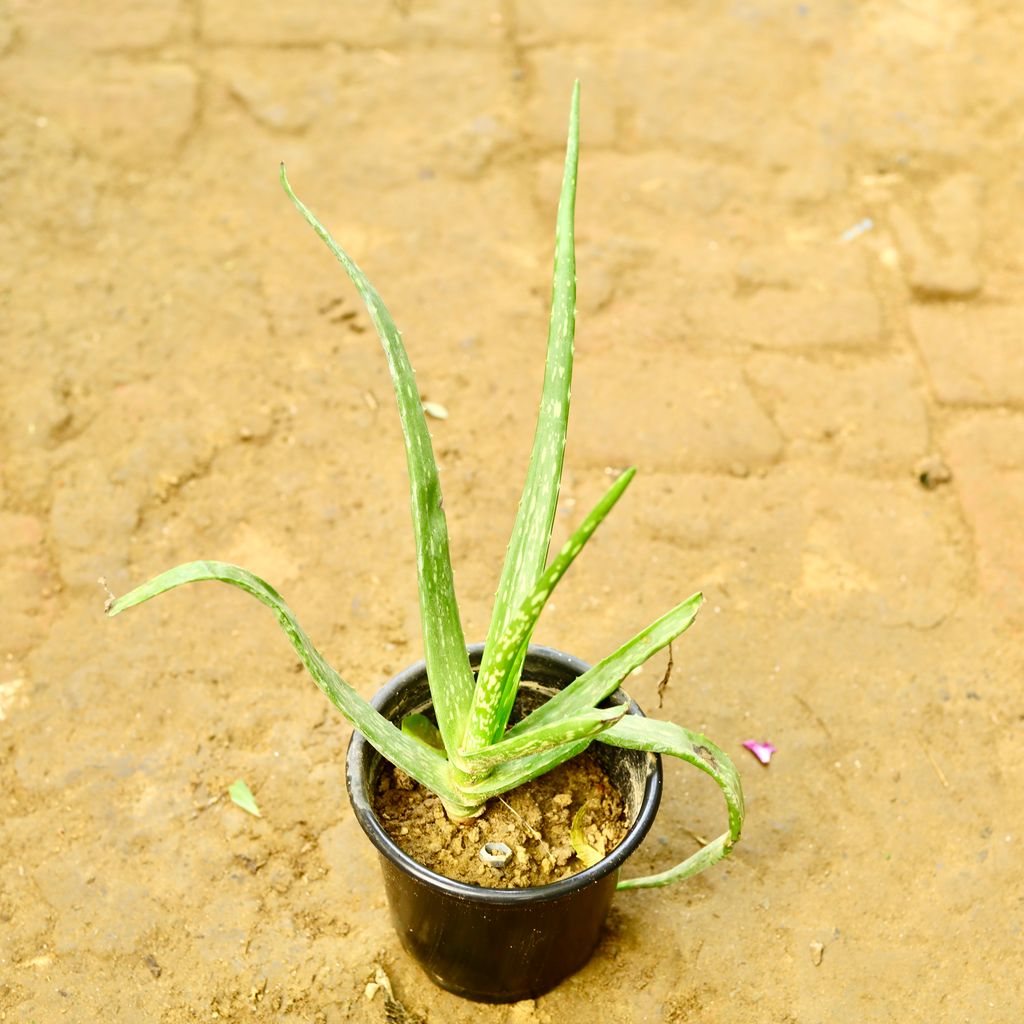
[(501, 945)]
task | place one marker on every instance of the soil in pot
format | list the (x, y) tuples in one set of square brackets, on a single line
[(534, 821)]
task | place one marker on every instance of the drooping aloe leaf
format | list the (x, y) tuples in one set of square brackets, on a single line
[(531, 534), (421, 728), (415, 759), (448, 670), (557, 734), (604, 678), (496, 687), (667, 738)]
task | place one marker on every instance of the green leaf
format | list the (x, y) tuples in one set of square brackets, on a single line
[(241, 795), (604, 678), (588, 854), (556, 734), (422, 763), (451, 678), (496, 686), (421, 728), (511, 774), (659, 737), (531, 534)]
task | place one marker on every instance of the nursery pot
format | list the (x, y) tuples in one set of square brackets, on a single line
[(501, 945)]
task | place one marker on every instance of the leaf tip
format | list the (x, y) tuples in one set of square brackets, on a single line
[(285, 183)]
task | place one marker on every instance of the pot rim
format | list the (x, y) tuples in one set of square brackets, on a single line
[(362, 804)]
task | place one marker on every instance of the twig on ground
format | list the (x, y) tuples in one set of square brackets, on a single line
[(814, 714), (935, 764), (663, 685)]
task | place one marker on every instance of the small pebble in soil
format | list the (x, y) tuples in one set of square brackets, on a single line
[(932, 472)]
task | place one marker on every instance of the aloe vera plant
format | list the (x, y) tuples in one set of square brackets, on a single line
[(471, 754)]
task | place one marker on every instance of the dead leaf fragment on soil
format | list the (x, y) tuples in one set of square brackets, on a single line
[(241, 795)]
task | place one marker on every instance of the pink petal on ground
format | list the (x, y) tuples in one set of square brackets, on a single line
[(762, 751)]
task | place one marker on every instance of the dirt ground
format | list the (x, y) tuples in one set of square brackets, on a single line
[(801, 285)]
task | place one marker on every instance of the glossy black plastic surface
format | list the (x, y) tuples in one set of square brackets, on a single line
[(501, 945)]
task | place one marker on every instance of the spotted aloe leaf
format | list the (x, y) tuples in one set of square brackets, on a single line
[(510, 774), (604, 678), (594, 686), (451, 678), (562, 733), (496, 691), (531, 535), (668, 738)]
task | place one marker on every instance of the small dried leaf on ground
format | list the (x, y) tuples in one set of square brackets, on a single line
[(395, 1011), (241, 795), (588, 854)]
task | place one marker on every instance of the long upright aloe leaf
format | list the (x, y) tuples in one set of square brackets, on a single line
[(496, 690), (669, 738), (531, 534), (601, 681), (413, 757), (448, 669)]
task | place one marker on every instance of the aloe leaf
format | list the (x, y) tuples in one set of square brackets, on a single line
[(511, 774), (590, 855), (422, 729), (556, 734), (667, 738), (496, 688), (531, 534), (604, 678), (451, 678), (415, 759)]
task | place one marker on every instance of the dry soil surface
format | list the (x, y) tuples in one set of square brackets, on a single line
[(801, 283), (534, 822)]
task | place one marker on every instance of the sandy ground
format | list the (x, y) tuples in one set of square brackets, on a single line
[(800, 238)]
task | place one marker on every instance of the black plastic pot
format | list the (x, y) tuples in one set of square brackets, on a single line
[(501, 945)]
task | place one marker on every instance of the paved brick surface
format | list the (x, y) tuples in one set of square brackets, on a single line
[(973, 354), (801, 313), (871, 418), (987, 458), (700, 416)]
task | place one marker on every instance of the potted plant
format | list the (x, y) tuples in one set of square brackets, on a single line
[(471, 724)]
